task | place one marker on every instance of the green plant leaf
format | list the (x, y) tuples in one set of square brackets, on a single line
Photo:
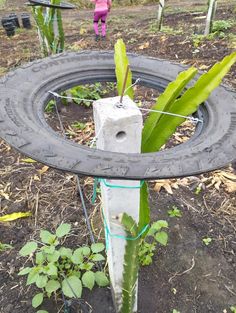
[(97, 257), (40, 258), (32, 277), (52, 285), (188, 104), (42, 311), (28, 248), (47, 237), (144, 209), (172, 91), (121, 62), (101, 279), (53, 257), (48, 249), (52, 269), (63, 230), (25, 271), (37, 300), (77, 257), (65, 252), (72, 283), (86, 266), (162, 238), (41, 281), (156, 226), (88, 279), (233, 309), (86, 251), (97, 247)]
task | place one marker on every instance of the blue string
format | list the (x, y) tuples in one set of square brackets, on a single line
[(109, 233), (107, 230), (101, 180)]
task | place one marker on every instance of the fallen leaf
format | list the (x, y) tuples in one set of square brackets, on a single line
[(144, 46), (166, 184), (43, 170), (203, 67), (82, 31), (36, 178), (28, 160), (14, 216)]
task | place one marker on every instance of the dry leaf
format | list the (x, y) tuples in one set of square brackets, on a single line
[(82, 31), (166, 184), (144, 46), (36, 178), (14, 216), (43, 170), (203, 67), (224, 179), (28, 160)]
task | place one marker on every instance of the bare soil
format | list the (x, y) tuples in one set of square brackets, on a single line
[(187, 275)]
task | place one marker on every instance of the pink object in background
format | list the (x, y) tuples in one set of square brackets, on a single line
[(102, 5)]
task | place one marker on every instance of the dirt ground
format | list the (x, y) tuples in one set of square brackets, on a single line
[(187, 275)]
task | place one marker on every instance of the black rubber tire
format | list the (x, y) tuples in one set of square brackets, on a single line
[(24, 94)]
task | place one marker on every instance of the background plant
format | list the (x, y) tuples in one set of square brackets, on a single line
[(50, 28), (57, 269), (148, 244)]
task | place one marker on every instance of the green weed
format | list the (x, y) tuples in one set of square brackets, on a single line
[(148, 244), (174, 212), (207, 241), (57, 269)]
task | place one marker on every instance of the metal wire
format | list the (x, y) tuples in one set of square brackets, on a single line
[(192, 119), (85, 211), (78, 180)]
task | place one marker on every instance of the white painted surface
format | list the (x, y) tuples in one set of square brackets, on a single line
[(119, 130)]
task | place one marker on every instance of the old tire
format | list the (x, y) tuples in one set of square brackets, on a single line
[(24, 94)]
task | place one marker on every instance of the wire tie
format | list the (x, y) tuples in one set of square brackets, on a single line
[(108, 233)]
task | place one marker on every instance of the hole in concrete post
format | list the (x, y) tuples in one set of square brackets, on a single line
[(121, 136)]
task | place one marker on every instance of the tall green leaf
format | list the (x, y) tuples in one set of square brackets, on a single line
[(188, 103), (121, 62), (144, 209), (164, 101)]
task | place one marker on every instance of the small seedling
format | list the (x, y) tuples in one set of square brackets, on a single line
[(148, 244), (175, 311), (207, 241), (79, 125), (175, 212), (233, 309), (60, 269), (4, 247), (198, 189)]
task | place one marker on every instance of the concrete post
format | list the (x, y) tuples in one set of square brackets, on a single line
[(160, 13), (118, 130), (210, 16)]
